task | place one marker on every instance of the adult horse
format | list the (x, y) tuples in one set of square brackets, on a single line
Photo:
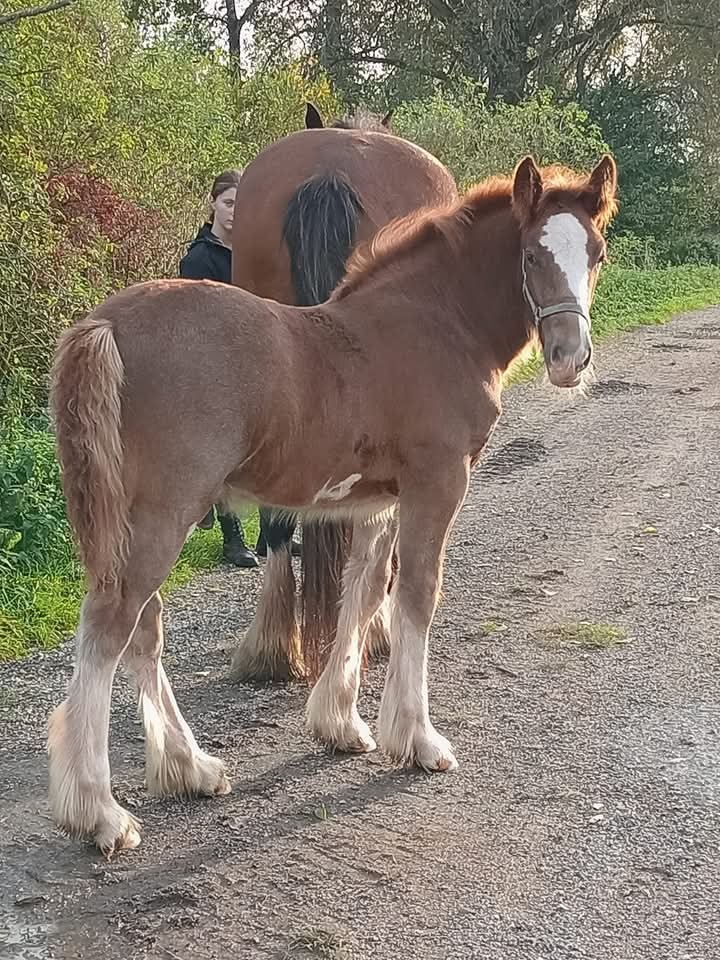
[(382, 399), (301, 207)]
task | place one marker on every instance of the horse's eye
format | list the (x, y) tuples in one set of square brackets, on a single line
[(530, 257)]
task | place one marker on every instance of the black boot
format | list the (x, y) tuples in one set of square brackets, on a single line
[(234, 549)]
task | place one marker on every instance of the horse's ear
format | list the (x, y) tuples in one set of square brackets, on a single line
[(385, 122), (600, 196), (527, 189), (313, 120)]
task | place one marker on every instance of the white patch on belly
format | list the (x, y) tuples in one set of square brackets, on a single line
[(337, 491), (566, 239)]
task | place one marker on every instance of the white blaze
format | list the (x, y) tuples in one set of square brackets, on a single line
[(566, 239)]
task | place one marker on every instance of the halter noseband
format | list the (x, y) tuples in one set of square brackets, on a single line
[(541, 313)]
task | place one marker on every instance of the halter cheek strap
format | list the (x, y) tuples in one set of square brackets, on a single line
[(541, 313)]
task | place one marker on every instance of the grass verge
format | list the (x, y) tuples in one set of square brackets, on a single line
[(39, 606)]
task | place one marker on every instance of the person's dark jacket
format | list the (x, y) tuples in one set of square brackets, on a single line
[(207, 258)]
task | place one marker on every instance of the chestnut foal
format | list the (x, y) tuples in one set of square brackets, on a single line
[(173, 395)]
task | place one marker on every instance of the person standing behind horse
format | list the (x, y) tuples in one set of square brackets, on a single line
[(209, 257)]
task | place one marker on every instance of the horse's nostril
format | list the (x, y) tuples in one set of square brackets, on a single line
[(555, 355), (586, 362)]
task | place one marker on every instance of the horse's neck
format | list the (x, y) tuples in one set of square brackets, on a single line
[(469, 296), (488, 283), (477, 289)]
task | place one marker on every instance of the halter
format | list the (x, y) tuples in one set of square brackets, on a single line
[(541, 313)]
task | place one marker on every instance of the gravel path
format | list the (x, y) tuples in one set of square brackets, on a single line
[(583, 822)]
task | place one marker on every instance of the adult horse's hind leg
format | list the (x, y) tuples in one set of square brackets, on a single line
[(174, 763), (377, 643), (79, 769), (331, 712), (404, 728), (270, 650)]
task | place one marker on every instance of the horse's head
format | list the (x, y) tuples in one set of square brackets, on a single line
[(562, 222), (359, 120)]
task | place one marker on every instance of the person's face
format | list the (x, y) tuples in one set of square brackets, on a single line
[(223, 207)]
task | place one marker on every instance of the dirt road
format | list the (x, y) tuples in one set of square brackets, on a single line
[(584, 821)]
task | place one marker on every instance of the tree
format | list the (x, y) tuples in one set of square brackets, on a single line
[(24, 14), (512, 47)]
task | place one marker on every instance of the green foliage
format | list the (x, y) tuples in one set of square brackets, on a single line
[(476, 141), (272, 104), (633, 252), (670, 195), (32, 511), (632, 298), (147, 125)]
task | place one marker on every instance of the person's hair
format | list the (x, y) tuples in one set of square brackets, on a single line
[(224, 181)]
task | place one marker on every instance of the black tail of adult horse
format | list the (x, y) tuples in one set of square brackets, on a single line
[(320, 230)]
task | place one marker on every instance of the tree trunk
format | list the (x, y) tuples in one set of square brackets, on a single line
[(234, 27)]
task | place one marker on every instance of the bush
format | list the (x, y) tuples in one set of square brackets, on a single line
[(669, 190), (476, 141), (693, 248), (33, 530), (633, 252), (108, 145)]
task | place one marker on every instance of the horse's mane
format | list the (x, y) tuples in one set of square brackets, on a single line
[(406, 234)]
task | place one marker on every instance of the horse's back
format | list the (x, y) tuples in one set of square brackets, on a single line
[(390, 176)]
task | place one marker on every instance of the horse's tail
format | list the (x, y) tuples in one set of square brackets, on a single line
[(85, 397), (320, 231)]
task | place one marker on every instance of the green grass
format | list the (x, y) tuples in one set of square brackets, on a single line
[(39, 609), (627, 299), (39, 606), (588, 636)]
